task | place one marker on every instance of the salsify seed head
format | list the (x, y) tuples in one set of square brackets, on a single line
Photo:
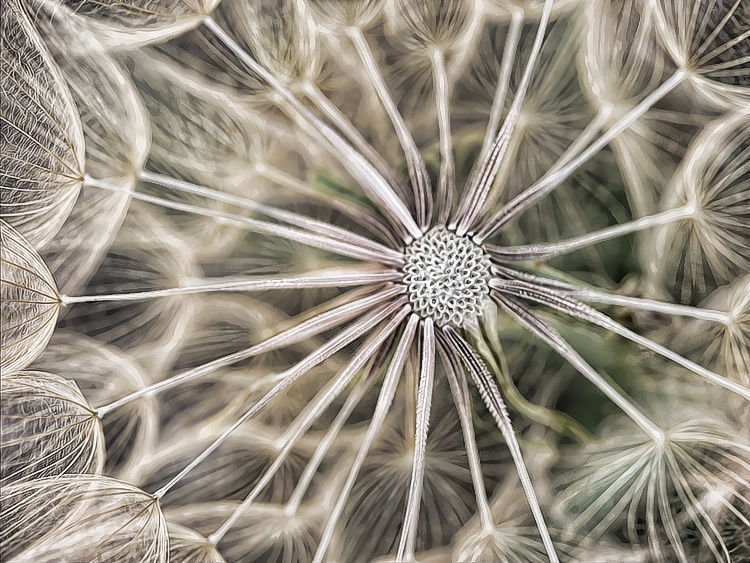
[(447, 278), (314, 280)]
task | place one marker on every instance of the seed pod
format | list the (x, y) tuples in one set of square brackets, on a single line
[(693, 257), (279, 33), (727, 345), (130, 23), (334, 16), (41, 146), (419, 26), (712, 40), (104, 374), (264, 532), (116, 130), (94, 517), (188, 546), (30, 301), (48, 429)]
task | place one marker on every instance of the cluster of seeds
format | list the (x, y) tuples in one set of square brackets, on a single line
[(447, 278)]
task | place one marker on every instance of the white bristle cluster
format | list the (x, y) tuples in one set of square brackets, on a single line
[(447, 278)]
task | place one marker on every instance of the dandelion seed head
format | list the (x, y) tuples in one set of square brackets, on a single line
[(447, 278)]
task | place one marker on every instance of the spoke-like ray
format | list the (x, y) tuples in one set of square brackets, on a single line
[(559, 174), (473, 199), (424, 402), (293, 374), (254, 225), (503, 80), (550, 336), (309, 328), (581, 311), (447, 178), (547, 250), (375, 186), (305, 480), (491, 396), (385, 398), (321, 228), (312, 411), (418, 177), (354, 211), (462, 399), (325, 278), (352, 134), (592, 295)]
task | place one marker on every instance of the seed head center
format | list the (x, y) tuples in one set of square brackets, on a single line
[(447, 278)]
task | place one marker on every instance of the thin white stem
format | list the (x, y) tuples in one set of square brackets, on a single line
[(558, 175), (326, 278), (447, 178), (292, 375), (462, 399), (546, 333), (594, 295), (336, 317), (711, 315), (420, 181), (503, 79), (385, 398), (577, 309), (351, 209), (352, 134), (485, 381), (254, 225), (545, 251), (305, 480), (318, 227), (474, 198), (405, 550), (309, 415), (375, 186)]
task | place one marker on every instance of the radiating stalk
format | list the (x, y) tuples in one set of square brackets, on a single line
[(418, 176), (289, 377), (593, 295), (711, 315), (549, 335), (360, 214), (447, 178), (547, 250), (503, 80), (254, 225), (310, 414), (374, 185), (318, 227), (385, 398), (579, 310), (405, 550), (475, 195), (303, 483), (336, 317), (462, 399), (491, 396), (325, 278), (352, 134), (557, 176)]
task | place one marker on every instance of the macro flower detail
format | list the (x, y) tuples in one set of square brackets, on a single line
[(381, 280), (447, 278)]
